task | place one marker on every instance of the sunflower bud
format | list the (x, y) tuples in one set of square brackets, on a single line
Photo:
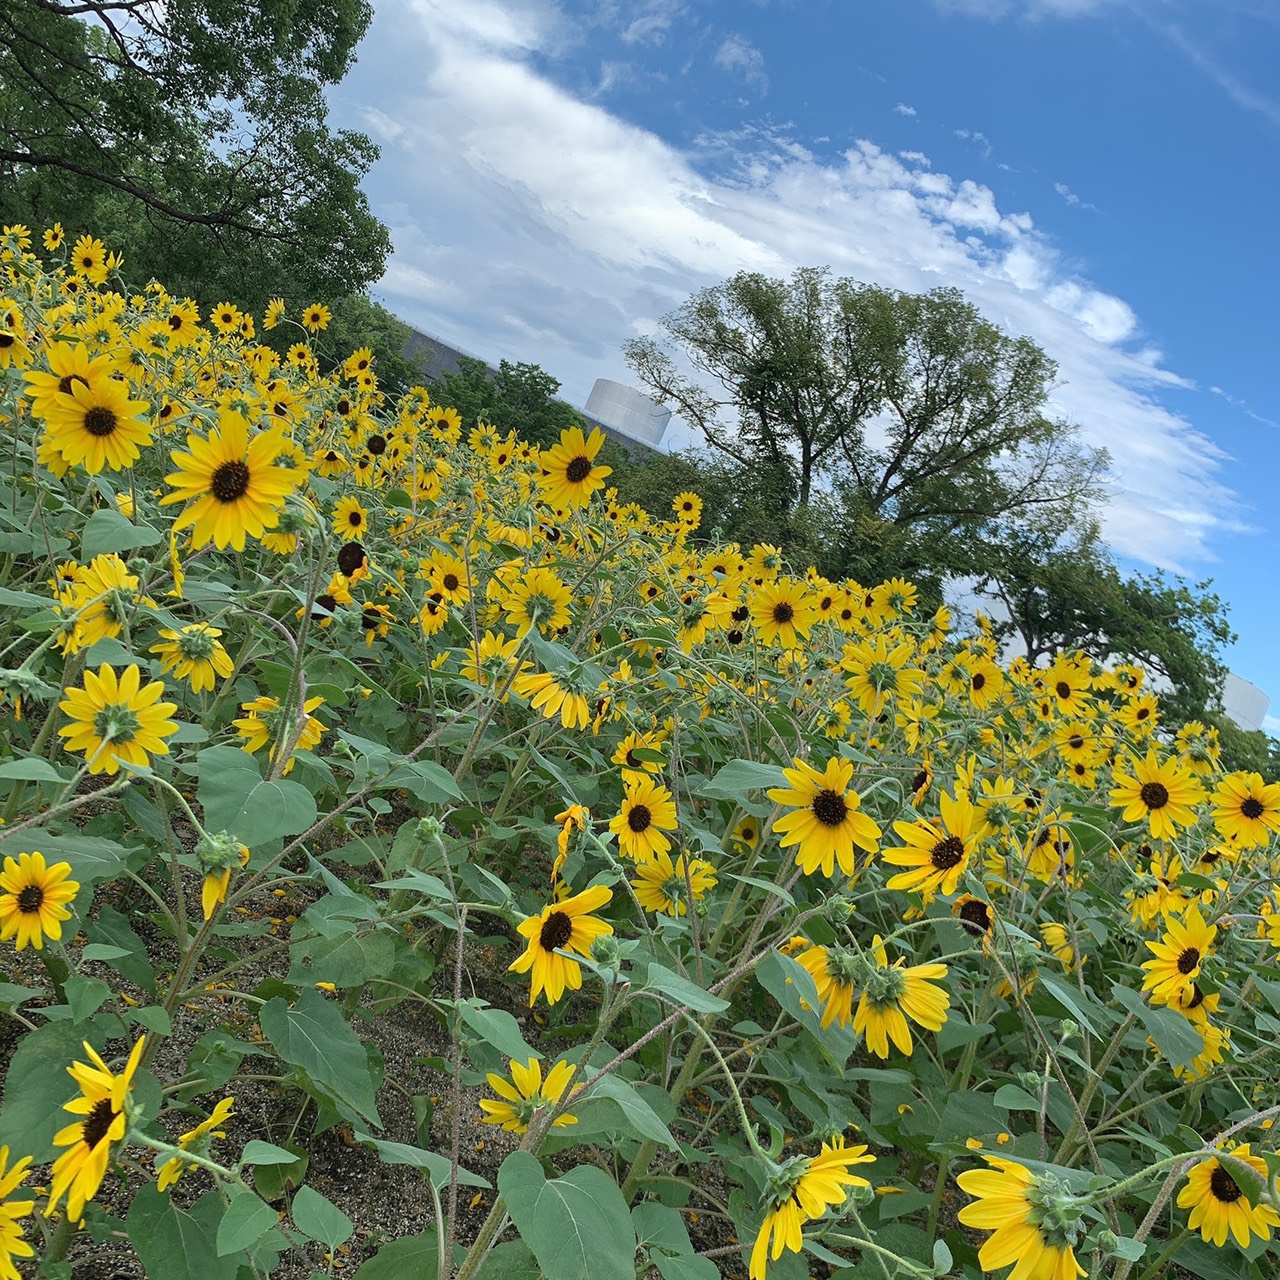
[(218, 852)]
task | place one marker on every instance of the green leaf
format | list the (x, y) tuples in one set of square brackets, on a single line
[(742, 775), (102, 951), (1175, 1037), (498, 1028), (408, 1256), (314, 1036), (1013, 1098), (659, 1226), (154, 1017), (238, 800), (681, 990), (21, 599), (789, 983), (37, 1084), (685, 1266), (258, 1152), (32, 769), (1251, 1183), (1086, 1011), (436, 1167), (347, 961), (320, 1219), (176, 1243), (86, 996), (273, 1180), (513, 1260), (108, 530), (132, 963), (91, 857), (640, 1118), (1129, 1249), (245, 1222), (430, 782), (578, 1225)]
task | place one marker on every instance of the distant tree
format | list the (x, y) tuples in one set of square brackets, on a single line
[(193, 136), (514, 397), (915, 408), (359, 321)]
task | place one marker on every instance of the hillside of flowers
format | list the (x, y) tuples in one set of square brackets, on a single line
[(772, 926)]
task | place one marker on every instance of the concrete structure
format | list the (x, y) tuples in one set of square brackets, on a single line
[(628, 411), (625, 415), (1245, 703)]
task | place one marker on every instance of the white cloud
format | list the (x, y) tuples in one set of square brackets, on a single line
[(533, 225), (642, 21), (738, 56), (915, 157), (903, 110), (1072, 199)]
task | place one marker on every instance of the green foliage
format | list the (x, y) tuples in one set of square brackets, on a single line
[(516, 397), (194, 137)]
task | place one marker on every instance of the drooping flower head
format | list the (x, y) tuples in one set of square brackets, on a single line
[(891, 994), (198, 1140), (522, 1096)]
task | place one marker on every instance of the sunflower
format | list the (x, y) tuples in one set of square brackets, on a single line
[(892, 991), (53, 237), (102, 601), (878, 671), (688, 509), (489, 662), (197, 1139), (226, 317), (1164, 792), (525, 1094), (937, 852), (263, 725), (660, 883), (89, 257), (824, 819), (231, 482), (562, 926), (12, 1245), (976, 917), (218, 857), (834, 970), (350, 519), (648, 809), (1025, 1215), (117, 720), (33, 899), (1178, 957), (78, 1171), (782, 612), (554, 696), (569, 472), (274, 313), (316, 317), (96, 425), (70, 363), (800, 1190), (194, 654), (539, 599), (1247, 810), (1218, 1206)]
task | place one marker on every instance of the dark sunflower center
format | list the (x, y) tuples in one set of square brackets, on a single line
[(639, 818), (230, 481), (1075, 742), (976, 917), (68, 381), (978, 680), (1143, 713), (451, 582), (175, 323), (557, 929), (376, 445), (325, 601), (741, 613), (1197, 997), (830, 808), (344, 406), (947, 853), (1223, 1186), (1252, 808), (631, 760), (578, 470), (350, 558), (1062, 689), (97, 1124), (1155, 795), (920, 781), (355, 519), (735, 636), (370, 619), (99, 421), (783, 613), (748, 834), (30, 899), (6, 340), (1188, 960)]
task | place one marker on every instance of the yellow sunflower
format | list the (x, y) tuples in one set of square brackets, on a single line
[(1165, 793), (350, 519), (648, 809), (194, 654), (12, 1245), (660, 883), (197, 1139), (264, 725), (554, 697), (117, 719), (538, 599), (1178, 957), (562, 926), (522, 1096), (937, 853), (1219, 1208), (782, 612), (78, 1171), (824, 819), (1247, 810), (878, 671), (231, 482), (1011, 1202), (95, 425), (893, 993), (33, 898), (569, 471), (316, 317), (834, 971)]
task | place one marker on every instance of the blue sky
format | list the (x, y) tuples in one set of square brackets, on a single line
[(1098, 174)]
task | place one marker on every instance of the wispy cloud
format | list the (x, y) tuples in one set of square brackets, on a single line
[(903, 110), (536, 225), (1236, 403), (739, 57), (1243, 95), (1071, 198), (979, 140)]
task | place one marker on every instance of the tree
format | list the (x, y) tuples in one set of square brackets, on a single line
[(192, 135), (516, 397), (918, 411)]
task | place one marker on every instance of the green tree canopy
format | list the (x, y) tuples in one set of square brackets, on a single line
[(916, 409), (193, 136), (514, 397)]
